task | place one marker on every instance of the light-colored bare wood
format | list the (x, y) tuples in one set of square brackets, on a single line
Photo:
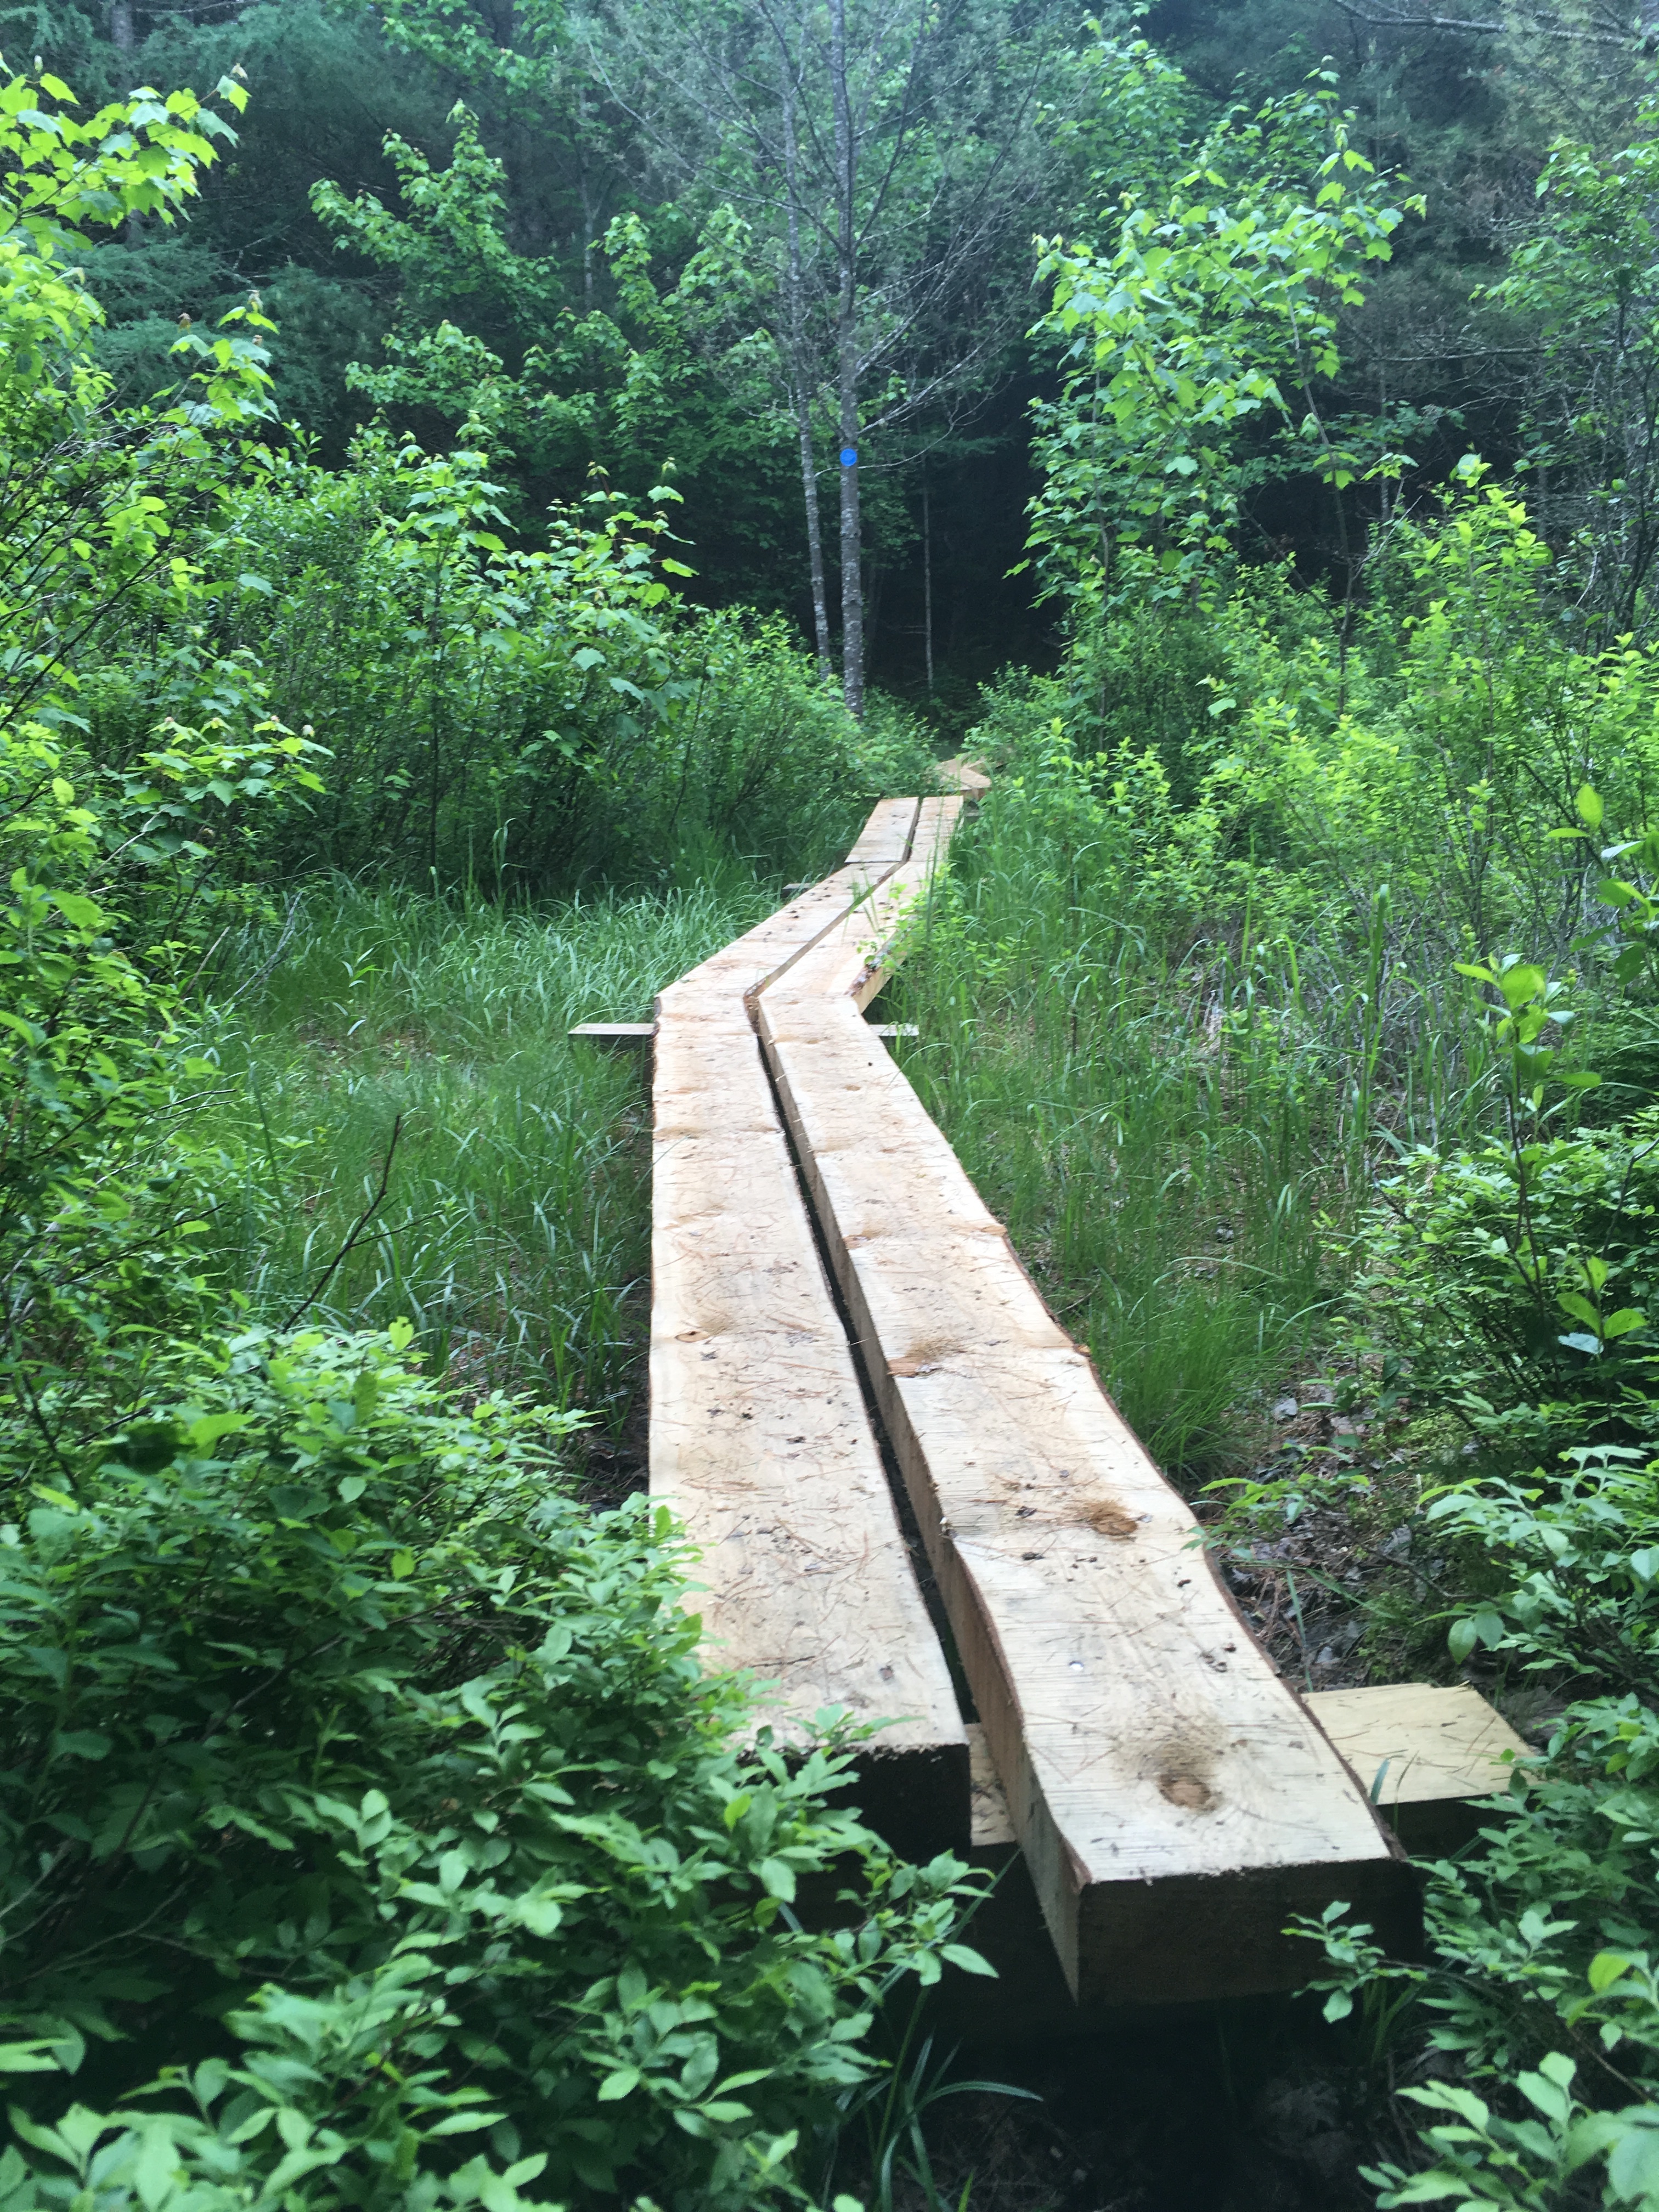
[(1176, 1802), (959, 774), (1423, 1753), (993, 1830), (885, 838), (855, 958), (759, 1437), (1407, 1744), (615, 1037)]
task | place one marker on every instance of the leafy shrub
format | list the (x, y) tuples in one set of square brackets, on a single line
[(1511, 1283), (524, 720), (371, 1789), (1579, 1591), (1542, 1989), (1497, 1278)]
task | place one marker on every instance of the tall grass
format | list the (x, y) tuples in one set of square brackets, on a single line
[(1178, 1124), (514, 1225)]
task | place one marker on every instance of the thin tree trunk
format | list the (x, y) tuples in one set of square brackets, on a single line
[(846, 374), (801, 389), (121, 34), (927, 576), (808, 480), (590, 208)]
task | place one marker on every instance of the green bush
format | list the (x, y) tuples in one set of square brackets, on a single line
[(522, 721), (1466, 1266), (366, 1822), (1498, 1279)]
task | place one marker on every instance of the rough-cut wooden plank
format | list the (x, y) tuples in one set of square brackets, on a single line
[(958, 773), (759, 1436), (1421, 1753), (885, 838), (1174, 1802), (853, 959), (615, 1037)]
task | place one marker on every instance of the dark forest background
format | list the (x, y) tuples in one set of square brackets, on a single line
[(544, 188)]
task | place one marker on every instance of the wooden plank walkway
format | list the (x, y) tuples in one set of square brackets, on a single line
[(1174, 1801), (759, 1436)]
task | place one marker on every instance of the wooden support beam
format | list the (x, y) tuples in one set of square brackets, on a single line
[(615, 1037), (1176, 1802), (1423, 1753), (759, 1437), (961, 775)]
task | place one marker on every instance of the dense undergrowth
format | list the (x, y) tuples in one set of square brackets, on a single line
[(370, 1833), (1315, 1035)]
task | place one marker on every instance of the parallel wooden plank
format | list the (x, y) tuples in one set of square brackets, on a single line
[(1174, 1802), (959, 774), (854, 959), (885, 838), (759, 1437)]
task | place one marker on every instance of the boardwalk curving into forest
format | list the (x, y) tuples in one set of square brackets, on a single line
[(1176, 1801), (759, 1434)]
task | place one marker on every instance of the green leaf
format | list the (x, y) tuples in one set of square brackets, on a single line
[(777, 1879), (81, 1743), (540, 1915), (960, 1954), (39, 2056), (1589, 804), (1520, 983), (1633, 2161), (1606, 1968)]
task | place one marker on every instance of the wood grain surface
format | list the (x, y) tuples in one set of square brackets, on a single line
[(1174, 1801), (759, 1437)]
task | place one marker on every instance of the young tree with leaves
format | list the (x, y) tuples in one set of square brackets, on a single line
[(890, 160), (1215, 306)]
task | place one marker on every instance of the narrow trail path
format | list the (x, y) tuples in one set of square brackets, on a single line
[(1174, 1802)]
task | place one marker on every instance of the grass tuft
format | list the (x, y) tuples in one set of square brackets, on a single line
[(514, 1232)]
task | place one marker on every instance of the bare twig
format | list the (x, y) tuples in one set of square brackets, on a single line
[(355, 1230)]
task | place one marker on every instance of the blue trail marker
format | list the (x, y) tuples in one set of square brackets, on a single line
[(850, 457)]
